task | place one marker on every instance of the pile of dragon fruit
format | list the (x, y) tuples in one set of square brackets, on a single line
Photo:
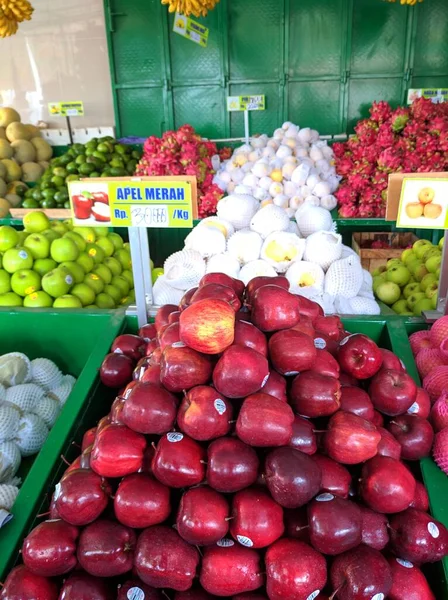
[(255, 450), (410, 140), (184, 152)]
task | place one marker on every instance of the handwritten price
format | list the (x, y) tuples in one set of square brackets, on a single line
[(149, 216)]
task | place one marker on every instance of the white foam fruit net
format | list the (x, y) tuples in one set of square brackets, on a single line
[(224, 263), (15, 368), (306, 278), (323, 248), (313, 218), (269, 219), (245, 245), (45, 373), (238, 209), (344, 278), (10, 458), (31, 434), (256, 268), (184, 269), (280, 249), (164, 293)]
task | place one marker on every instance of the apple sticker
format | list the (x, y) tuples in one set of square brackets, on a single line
[(404, 563), (136, 593), (225, 543), (324, 497), (433, 530), (220, 406), (173, 436), (320, 343), (313, 595), (245, 541)]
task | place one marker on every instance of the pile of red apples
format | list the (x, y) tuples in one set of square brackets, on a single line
[(255, 450)]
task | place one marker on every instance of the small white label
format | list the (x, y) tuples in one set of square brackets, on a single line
[(265, 380), (413, 409), (220, 406), (136, 593), (380, 596), (57, 491), (23, 254), (324, 497), (178, 345), (118, 351), (404, 563), (69, 280), (320, 343), (291, 373), (245, 541), (433, 530), (173, 436), (225, 543), (313, 595), (344, 341)]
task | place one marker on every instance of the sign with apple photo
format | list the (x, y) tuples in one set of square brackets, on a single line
[(90, 203), (423, 203)]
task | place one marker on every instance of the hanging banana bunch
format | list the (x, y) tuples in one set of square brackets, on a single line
[(197, 8), (13, 12), (407, 2)]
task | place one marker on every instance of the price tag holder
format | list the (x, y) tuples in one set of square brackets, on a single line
[(435, 95), (240, 103), (74, 108), (190, 29)]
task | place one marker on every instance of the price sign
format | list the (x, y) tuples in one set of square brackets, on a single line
[(435, 95), (150, 202), (192, 30), (66, 109), (240, 103), (423, 203)]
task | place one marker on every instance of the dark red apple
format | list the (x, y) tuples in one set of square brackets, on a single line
[(148, 332), (335, 524), (361, 573), (250, 596), (414, 434), (194, 593), (178, 461), (350, 439), (81, 496), (296, 524), (274, 308), (391, 361), (174, 317), (325, 364), (408, 582), (305, 325), (315, 395), (323, 342), (50, 549), (149, 409), (116, 370), (421, 498), (303, 436), (21, 584), (163, 559), (355, 400), (223, 279), (347, 379), (262, 280), (202, 518), (359, 356), (170, 336), (117, 451), (116, 410), (418, 537), (217, 291), (257, 520), (82, 586), (388, 445), (294, 571), (336, 479), (248, 335), (161, 319), (141, 501), (387, 486), (329, 326), (204, 414), (293, 478), (151, 347), (264, 421), (231, 465), (310, 309), (375, 532), (182, 368), (240, 372), (106, 549), (422, 404), (208, 325), (392, 392), (137, 590), (129, 345), (378, 419), (151, 375), (231, 570), (88, 438), (186, 298), (292, 352), (275, 386)]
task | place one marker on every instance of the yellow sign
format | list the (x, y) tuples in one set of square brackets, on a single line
[(138, 202), (238, 103), (423, 203), (192, 30), (66, 109)]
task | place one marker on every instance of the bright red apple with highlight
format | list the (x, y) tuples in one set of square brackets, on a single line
[(117, 451), (82, 586), (202, 517), (350, 439), (170, 336), (387, 486), (149, 409), (129, 345), (232, 465), (148, 332), (208, 325), (303, 436), (116, 370), (141, 501), (414, 434), (240, 372), (418, 537), (21, 584), (310, 309), (257, 520), (178, 461), (329, 326), (217, 291), (421, 498), (276, 386), (422, 404), (408, 582), (392, 392), (81, 497), (315, 395), (262, 280), (326, 364), (204, 414), (391, 361), (264, 421), (182, 368), (274, 308), (292, 352), (50, 549), (162, 315), (388, 445), (335, 524), (223, 279), (248, 335), (357, 401), (359, 356)]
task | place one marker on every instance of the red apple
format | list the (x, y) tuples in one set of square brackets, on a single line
[(202, 518), (81, 497), (347, 379), (375, 532), (421, 498), (378, 419), (182, 368), (137, 590), (163, 559), (310, 309), (392, 392), (50, 549), (335, 524), (293, 478), (292, 352), (148, 332), (264, 421), (350, 439), (178, 461), (21, 584), (151, 374), (174, 317), (116, 370), (325, 364), (204, 414), (262, 280), (275, 386), (388, 445), (336, 479), (418, 537), (240, 372), (170, 336), (414, 434), (161, 319), (257, 520), (88, 438), (315, 395), (391, 361), (106, 549), (149, 409), (408, 582), (208, 325), (303, 436), (329, 326), (387, 486), (274, 308), (231, 465), (151, 346), (194, 593), (223, 279), (296, 524), (359, 356), (129, 345), (217, 291), (248, 335), (82, 586), (117, 451), (294, 571), (141, 501), (355, 400), (422, 404), (186, 298), (305, 325)]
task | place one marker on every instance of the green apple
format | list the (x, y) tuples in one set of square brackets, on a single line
[(104, 273), (69, 224), (406, 254), (399, 274), (114, 265), (432, 289), (25, 282), (1, 260), (5, 281), (75, 270), (420, 247), (84, 292), (435, 301), (22, 237), (57, 282), (10, 299), (79, 241), (64, 250), (388, 292), (393, 262), (433, 251), (121, 283), (421, 305), (437, 273), (38, 300), (428, 280), (101, 232), (9, 238), (51, 235), (375, 272), (158, 272), (113, 292), (433, 263), (96, 252), (400, 306), (129, 299), (124, 257), (127, 247), (87, 233), (129, 277), (151, 263), (414, 264), (412, 279), (95, 282), (85, 261), (67, 301), (44, 265), (441, 242), (116, 240), (16, 259), (410, 289), (106, 245), (59, 227), (414, 298), (104, 301), (38, 245), (377, 280), (407, 313), (36, 222), (420, 272)]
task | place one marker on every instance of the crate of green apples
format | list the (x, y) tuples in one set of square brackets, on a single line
[(409, 285), (53, 264)]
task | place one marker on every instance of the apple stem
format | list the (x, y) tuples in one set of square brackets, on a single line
[(43, 515), (319, 431), (334, 594), (153, 445), (199, 550), (64, 460), (229, 518), (231, 422), (166, 595), (76, 445), (203, 462)]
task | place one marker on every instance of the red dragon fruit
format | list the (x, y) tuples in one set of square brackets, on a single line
[(380, 111), (399, 118)]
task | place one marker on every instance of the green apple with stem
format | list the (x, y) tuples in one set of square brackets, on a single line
[(44, 265), (79, 241), (64, 250), (10, 299), (103, 300), (25, 282), (420, 247), (388, 292), (85, 261), (16, 259), (95, 282), (38, 299), (414, 298), (113, 292), (57, 282), (36, 222), (114, 265), (399, 274), (84, 292), (104, 272), (67, 301), (5, 281), (38, 245), (9, 238)]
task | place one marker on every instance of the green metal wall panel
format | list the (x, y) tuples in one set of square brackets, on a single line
[(141, 111), (201, 107), (431, 40), (264, 120), (315, 104), (362, 92)]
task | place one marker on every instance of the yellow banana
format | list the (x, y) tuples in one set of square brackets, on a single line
[(198, 8), (13, 12)]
